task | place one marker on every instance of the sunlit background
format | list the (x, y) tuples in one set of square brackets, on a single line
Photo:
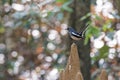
[(33, 38)]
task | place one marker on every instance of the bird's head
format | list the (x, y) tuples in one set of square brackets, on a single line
[(70, 29)]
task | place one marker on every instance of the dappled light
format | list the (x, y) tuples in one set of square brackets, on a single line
[(35, 43)]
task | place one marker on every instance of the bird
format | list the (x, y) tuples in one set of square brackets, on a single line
[(76, 35)]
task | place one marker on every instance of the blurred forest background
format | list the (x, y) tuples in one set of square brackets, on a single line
[(34, 42)]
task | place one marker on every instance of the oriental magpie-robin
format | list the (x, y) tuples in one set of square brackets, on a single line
[(76, 35)]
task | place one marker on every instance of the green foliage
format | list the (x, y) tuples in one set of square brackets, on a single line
[(2, 29), (91, 31), (5, 1), (66, 7), (85, 17), (62, 1), (10, 64), (103, 53), (107, 26)]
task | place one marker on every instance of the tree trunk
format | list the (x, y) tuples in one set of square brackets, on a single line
[(80, 9), (116, 4)]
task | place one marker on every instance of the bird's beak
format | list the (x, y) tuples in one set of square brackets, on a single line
[(67, 29)]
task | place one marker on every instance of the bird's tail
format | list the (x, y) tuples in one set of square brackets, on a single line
[(83, 32)]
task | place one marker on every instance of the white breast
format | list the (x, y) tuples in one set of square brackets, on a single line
[(75, 38)]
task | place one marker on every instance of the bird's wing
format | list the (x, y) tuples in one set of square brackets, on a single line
[(76, 34)]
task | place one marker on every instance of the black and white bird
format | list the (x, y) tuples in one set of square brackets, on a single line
[(76, 35)]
